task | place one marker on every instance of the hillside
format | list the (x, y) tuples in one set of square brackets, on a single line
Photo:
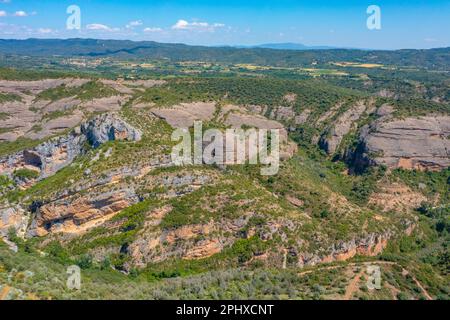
[(434, 59), (87, 176)]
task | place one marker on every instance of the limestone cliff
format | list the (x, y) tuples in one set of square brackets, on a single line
[(420, 143)]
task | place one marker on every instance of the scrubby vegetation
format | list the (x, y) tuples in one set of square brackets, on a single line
[(20, 144), (85, 92), (45, 278), (267, 92), (26, 174), (266, 228), (9, 97)]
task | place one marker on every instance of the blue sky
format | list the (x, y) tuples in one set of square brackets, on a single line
[(404, 24)]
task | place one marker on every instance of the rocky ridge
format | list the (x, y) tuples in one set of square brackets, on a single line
[(413, 143), (52, 155), (93, 201)]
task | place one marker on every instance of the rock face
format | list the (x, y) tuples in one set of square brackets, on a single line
[(69, 214), (397, 197), (372, 245), (14, 218), (49, 157), (413, 143), (38, 85), (76, 215), (156, 246), (344, 124), (35, 117), (184, 115), (46, 158), (108, 127), (55, 154), (204, 249), (303, 117), (232, 116)]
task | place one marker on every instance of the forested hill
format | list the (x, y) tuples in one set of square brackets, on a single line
[(433, 59)]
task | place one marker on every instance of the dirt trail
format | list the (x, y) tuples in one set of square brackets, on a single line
[(4, 292), (353, 264), (285, 258), (352, 286), (424, 291)]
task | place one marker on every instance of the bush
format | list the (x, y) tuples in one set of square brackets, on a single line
[(56, 250), (12, 235), (402, 296), (245, 249), (84, 262), (26, 174)]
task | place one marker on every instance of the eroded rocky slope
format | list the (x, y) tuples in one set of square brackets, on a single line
[(413, 143), (105, 186)]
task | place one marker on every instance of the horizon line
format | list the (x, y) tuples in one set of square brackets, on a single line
[(235, 46)]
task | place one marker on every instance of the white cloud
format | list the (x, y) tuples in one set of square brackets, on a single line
[(2, 13), (133, 24), (20, 14), (181, 24), (196, 26), (45, 30), (430, 40), (100, 27), (5, 1), (18, 31), (153, 30), (97, 26)]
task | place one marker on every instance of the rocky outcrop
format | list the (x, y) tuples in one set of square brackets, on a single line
[(203, 249), (198, 241), (187, 242), (25, 121), (232, 116), (37, 86), (283, 113), (302, 117), (70, 215), (86, 203), (188, 232), (36, 117), (184, 115), (370, 246), (50, 156), (331, 140), (329, 114), (108, 127), (396, 197), (46, 158), (420, 143), (13, 218), (20, 119)]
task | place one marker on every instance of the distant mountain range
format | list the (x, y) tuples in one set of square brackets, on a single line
[(282, 54), (287, 46)]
